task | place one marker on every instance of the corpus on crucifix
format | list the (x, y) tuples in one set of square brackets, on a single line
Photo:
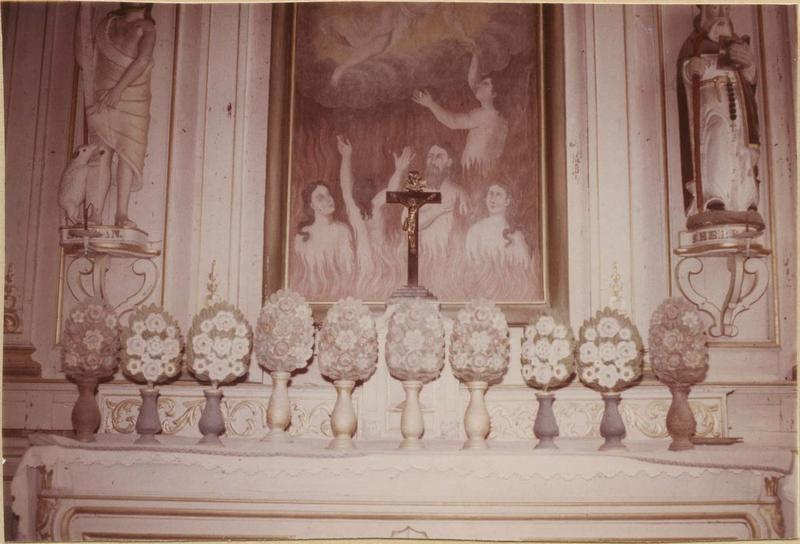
[(413, 198)]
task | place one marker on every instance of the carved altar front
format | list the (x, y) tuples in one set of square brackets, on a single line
[(65, 490)]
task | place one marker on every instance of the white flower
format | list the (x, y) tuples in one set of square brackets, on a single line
[(94, 312), (152, 372), (527, 372), (135, 345), (608, 327), (78, 316), (222, 346), (589, 352), (479, 341), (93, 339), (560, 331), (172, 332), (530, 332), (138, 327), (172, 348), (590, 334), (414, 340), (560, 372), (545, 325), (240, 347), (201, 344), (626, 373), (241, 330), (346, 339), (206, 326), (155, 323), (134, 366), (589, 373), (626, 351), (543, 374), (608, 351), (224, 321), (608, 377), (543, 349), (625, 333), (111, 321), (691, 320), (528, 350), (561, 349), (155, 346)]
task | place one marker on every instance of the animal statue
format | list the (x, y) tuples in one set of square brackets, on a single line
[(72, 188)]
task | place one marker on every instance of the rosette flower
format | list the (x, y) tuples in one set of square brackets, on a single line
[(284, 335), (610, 352), (90, 340), (547, 353), (678, 349), (151, 345), (415, 341), (479, 345), (347, 342), (218, 344)]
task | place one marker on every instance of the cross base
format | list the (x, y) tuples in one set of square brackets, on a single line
[(411, 291)]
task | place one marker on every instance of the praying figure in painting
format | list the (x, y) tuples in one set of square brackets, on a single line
[(718, 120), (323, 244), (487, 128), (493, 238), (116, 61), (374, 253)]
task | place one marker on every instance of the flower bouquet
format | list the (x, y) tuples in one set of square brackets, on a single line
[(284, 342), (610, 355), (217, 350), (679, 357), (347, 351), (90, 343), (414, 355), (151, 353), (479, 356), (548, 362)]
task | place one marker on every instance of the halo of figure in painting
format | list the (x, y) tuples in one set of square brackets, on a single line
[(116, 61), (323, 244), (718, 122)]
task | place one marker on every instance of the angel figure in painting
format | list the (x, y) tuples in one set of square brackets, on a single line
[(323, 244), (373, 251), (116, 62), (493, 238), (487, 128)]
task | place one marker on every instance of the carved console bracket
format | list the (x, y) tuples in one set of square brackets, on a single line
[(748, 275), (92, 250)]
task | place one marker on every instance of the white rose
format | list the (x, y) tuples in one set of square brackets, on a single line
[(608, 377), (560, 372), (627, 351), (155, 323), (527, 372), (545, 325), (224, 321), (561, 348), (240, 347), (135, 345), (528, 350), (608, 327), (152, 372), (413, 340), (172, 348), (93, 339), (479, 341), (172, 332), (590, 334), (543, 374), (625, 333), (201, 344), (222, 346), (206, 326), (589, 353), (134, 366), (241, 329), (530, 332), (608, 352), (560, 331), (155, 346), (543, 349)]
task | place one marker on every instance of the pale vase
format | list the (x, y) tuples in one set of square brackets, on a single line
[(343, 417), (476, 417), (148, 423), (612, 428), (412, 425), (681, 424), (212, 422), (279, 411), (545, 427), (86, 413)]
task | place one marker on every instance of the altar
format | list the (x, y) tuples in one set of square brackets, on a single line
[(65, 491)]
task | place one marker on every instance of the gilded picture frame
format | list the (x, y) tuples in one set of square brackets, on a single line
[(282, 236)]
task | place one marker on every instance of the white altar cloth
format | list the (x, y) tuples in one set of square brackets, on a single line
[(377, 490)]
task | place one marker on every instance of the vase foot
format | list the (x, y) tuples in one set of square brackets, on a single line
[(147, 439), (278, 437), (613, 444), (342, 443), (546, 444), (476, 444), (210, 440), (85, 437), (680, 445), (411, 444)]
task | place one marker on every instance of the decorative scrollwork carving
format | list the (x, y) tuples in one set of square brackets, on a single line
[(45, 514), (12, 323)]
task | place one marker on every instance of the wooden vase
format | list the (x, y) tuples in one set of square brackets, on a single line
[(681, 424), (412, 425), (86, 413), (279, 411), (343, 417), (476, 417)]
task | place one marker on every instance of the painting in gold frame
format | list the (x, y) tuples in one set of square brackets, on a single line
[(470, 95)]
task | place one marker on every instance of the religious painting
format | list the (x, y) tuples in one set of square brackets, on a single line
[(451, 91)]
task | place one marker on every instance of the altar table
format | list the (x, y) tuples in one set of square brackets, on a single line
[(250, 489)]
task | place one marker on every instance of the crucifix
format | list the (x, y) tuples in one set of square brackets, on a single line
[(413, 198)]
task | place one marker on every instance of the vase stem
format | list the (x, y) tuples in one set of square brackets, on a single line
[(343, 417), (279, 411), (545, 427), (212, 422), (681, 424), (612, 428), (476, 418), (148, 423), (412, 425), (86, 413)]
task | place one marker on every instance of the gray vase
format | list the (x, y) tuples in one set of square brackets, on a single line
[(545, 427), (212, 422), (612, 428), (148, 424), (86, 413), (681, 424)]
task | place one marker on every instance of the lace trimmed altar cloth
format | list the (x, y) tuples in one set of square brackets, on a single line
[(67, 490)]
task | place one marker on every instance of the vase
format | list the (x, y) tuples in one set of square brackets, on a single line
[(680, 419), (86, 413), (412, 424), (343, 417), (279, 412), (148, 423), (612, 428), (545, 427), (476, 417), (212, 422)]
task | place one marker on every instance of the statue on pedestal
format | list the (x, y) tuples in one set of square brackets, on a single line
[(718, 123)]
